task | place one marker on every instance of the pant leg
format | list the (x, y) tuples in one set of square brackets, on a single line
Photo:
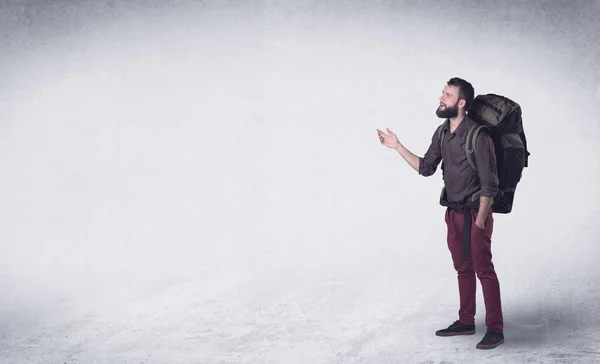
[(467, 283), (481, 256)]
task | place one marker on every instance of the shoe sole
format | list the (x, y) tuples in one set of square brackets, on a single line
[(488, 347), (446, 334)]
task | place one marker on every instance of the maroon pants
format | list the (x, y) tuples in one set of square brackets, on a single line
[(478, 263)]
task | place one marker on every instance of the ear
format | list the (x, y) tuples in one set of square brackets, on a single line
[(462, 103)]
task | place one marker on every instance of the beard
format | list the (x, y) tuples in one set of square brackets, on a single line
[(448, 111)]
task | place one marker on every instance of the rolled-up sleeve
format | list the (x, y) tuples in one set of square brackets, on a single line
[(432, 158), (485, 158)]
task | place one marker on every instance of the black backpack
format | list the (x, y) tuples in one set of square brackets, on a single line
[(502, 119)]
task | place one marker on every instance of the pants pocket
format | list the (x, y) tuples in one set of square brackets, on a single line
[(487, 231)]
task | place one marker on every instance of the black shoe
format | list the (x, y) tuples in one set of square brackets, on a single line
[(457, 329), (491, 340)]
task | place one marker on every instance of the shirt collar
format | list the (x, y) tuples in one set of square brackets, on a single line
[(462, 128)]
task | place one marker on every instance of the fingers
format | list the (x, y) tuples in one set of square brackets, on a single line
[(381, 133), (383, 137)]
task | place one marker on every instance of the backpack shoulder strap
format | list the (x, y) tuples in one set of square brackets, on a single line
[(471, 143), (441, 135)]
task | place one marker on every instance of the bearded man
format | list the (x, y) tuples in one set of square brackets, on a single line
[(468, 195)]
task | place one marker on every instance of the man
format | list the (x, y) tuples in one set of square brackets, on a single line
[(468, 195)]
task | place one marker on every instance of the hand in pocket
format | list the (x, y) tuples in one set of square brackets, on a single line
[(480, 223)]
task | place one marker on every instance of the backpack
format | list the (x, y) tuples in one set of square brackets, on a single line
[(501, 118)]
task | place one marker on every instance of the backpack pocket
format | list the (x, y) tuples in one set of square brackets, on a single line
[(512, 160)]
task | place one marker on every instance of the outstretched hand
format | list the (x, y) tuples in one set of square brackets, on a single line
[(390, 140)]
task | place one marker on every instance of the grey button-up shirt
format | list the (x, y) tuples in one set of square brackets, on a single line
[(462, 182)]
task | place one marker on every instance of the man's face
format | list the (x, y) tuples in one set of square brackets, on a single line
[(448, 107)]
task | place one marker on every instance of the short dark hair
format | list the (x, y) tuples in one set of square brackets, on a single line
[(465, 90)]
